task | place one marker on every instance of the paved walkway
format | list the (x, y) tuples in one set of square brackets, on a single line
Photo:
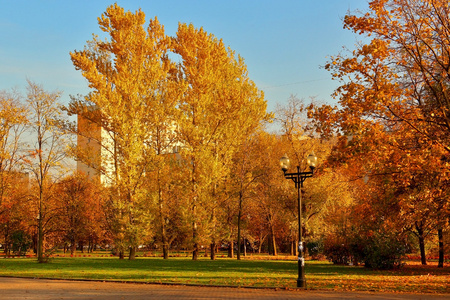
[(43, 289)]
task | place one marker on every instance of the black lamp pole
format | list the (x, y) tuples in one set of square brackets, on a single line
[(298, 178)]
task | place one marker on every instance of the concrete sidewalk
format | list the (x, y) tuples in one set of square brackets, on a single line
[(20, 288)]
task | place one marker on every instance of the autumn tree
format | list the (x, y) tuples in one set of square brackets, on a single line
[(266, 205), (163, 181), (401, 74), (45, 160), (81, 214), (166, 187), (244, 172), (141, 98), (17, 228), (13, 116), (219, 108), (329, 205), (300, 140), (413, 36), (293, 122), (394, 100), (130, 97)]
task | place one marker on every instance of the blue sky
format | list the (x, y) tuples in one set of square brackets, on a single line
[(284, 43)]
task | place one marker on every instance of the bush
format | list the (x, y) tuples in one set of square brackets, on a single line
[(314, 249), (382, 251), (21, 242), (336, 250), (377, 250)]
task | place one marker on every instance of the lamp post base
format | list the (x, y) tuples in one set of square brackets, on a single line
[(301, 280), (301, 283)]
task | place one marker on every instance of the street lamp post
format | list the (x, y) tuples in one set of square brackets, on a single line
[(298, 177)]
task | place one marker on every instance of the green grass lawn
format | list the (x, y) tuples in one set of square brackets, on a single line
[(224, 271)]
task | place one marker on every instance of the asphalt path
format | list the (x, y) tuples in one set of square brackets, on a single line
[(43, 289)]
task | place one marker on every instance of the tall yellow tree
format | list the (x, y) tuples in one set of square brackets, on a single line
[(219, 108), (147, 105), (128, 75)]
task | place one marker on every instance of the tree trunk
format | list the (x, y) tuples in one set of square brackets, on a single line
[(121, 255), (35, 243), (165, 248), (239, 227), (213, 249), (423, 257), (132, 255), (40, 249), (274, 245), (231, 249), (269, 245), (41, 199), (441, 248), (272, 240), (245, 247), (421, 243), (73, 247), (5, 249), (194, 210), (165, 245), (260, 245), (195, 252), (194, 237), (261, 242)]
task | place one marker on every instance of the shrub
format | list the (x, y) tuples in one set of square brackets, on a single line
[(336, 250), (315, 249), (21, 242), (379, 250)]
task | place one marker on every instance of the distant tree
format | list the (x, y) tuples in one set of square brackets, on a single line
[(13, 116), (16, 226), (81, 205), (244, 174), (299, 141), (45, 160)]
